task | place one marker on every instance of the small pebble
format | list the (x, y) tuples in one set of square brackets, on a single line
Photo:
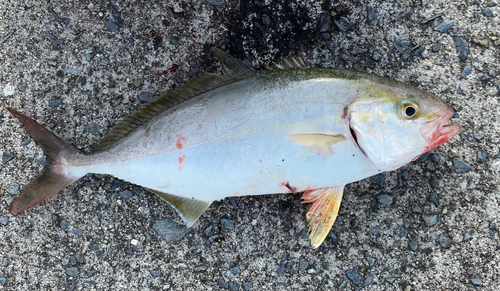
[(372, 15), (352, 274), (266, 20), (460, 165), (443, 241), (247, 286), (193, 72), (174, 41), (104, 61), (227, 225), (326, 35), (55, 103), (93, 247), (96, 221), (488, 12), (444, 26), (343, 23), (22, 88), (73, 272), (377, 56), (281, 269), (430, 220), (413, 245), (467, 236), (368, 280), (375, 230), (462, 48), (14, 189), (222, 283), (434, 200), (137, 83), (111, 25), (8, 90), (125, 194), (6, 157), (481, 157), (155, 273), (64, 224), (208, 230), (370, 260), (466, 71), (233, 286), (385, 199), (116, 184), (391, 280), (324, 22), (217, 2), (478, 136), (235, 270), (303, 264), (476, 282), (4, 220), (3, 280)]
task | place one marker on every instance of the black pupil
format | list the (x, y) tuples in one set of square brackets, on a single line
[(410, 111)]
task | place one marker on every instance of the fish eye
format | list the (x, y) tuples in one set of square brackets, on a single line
[(408, 109)]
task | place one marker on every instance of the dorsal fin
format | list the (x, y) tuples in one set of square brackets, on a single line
[(233, 69), (290, 63)]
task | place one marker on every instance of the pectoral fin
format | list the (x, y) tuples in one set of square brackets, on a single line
[(189, 209), (323, 211), (320, 143)]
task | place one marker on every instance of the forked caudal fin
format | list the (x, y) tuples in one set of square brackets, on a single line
[(52, 179)]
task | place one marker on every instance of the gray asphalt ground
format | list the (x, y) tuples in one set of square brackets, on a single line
[(79, 66)]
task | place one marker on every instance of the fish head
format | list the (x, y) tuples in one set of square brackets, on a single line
[(398, 126)]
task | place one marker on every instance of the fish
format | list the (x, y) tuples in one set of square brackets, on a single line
[(287, 129)]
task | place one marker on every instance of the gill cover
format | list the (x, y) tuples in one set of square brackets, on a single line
[(388, 132)]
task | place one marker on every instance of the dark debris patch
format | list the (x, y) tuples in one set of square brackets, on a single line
[(169, 230)]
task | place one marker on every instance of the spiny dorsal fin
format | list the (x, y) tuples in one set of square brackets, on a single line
[(234, 70), (290, 63), (189, 209), (323, 211)]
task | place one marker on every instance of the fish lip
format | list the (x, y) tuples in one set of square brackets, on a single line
[(437, 132)]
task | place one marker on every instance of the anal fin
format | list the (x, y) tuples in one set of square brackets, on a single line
[(189, 209), (323, 211)]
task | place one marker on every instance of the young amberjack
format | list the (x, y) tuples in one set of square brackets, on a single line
[(288, 129)]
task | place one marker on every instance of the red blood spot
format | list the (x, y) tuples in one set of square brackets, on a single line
[(173, 69), (181, 160), (345, 113), (181, 142), (290, 188)]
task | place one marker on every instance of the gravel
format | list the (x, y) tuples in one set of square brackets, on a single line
[(69, 53)]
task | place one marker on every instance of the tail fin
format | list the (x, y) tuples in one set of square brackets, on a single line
[(52, 178)]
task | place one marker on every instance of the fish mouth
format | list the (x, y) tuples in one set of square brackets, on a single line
[(355, 139), (437, 132)]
